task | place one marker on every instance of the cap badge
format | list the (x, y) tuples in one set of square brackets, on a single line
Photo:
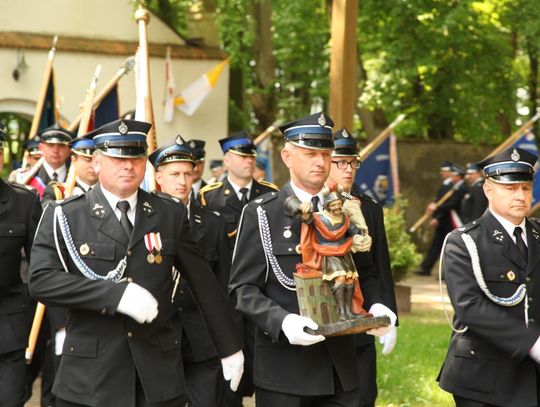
[(345, 133), (123, 129), (321, 120), (192, 144), (515, 155), (179, 140)]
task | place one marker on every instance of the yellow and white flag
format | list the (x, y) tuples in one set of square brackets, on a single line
[(191, 97)]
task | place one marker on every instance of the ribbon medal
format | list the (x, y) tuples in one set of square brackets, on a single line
[(152, 241)]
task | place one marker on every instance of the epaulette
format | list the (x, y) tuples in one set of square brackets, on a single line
[(369, 197), (263, 199), (70, 199), (268, 184), (207, 188), (468, 226), (22, 187), (535, 220), (165, 196)]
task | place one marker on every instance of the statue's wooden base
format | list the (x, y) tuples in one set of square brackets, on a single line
[(316, 301)]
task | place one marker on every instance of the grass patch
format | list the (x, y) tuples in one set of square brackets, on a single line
[(407, 377)]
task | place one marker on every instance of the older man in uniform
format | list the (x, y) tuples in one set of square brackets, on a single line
[(293, 368), (174, 164), (345, 163), (474, 201), (491, 268), (110, 264), (19, 216)]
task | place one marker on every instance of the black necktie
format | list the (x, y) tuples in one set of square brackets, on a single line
[(315, 203), (520, 243), (54, 176), (123, 206), (244, 199)]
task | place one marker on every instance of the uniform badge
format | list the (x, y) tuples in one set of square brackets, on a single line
[(511, 275), (498, 235), (192, 144), (227, 192), (287, 232), (123, 129), (98, 209), (535, 234), (515, 155), (147, 207), (345, 133), (197, 219), (84, 249), (321, 120), (179, 140), (152, 241)]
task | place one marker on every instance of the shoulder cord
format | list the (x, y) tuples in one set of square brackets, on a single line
[(266, 240), (113, 275)]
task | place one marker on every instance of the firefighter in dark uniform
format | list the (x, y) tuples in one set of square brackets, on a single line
[(19, 216), (491, 268), (174, 164), (292, 367), (345, 163), (197, 146), (230, 196), (474, 201), (107, 256), (443, 218)]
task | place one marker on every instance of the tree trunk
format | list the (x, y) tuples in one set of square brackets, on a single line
[(532, 52)]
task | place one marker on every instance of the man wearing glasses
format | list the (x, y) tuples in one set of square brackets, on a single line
[(345, 163)]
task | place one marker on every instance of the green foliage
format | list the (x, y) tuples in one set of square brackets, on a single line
[(407, 377), (16, 128), (403, 255)]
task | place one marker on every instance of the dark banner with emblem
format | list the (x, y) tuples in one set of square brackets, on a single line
[(377, 176)]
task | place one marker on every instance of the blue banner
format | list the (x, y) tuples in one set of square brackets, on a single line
[(374, 177), (528, 142), (108, 110)]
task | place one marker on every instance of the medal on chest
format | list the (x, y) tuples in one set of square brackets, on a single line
[(152, 241)]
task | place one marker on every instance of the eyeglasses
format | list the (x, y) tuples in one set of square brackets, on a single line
[(342, 164)]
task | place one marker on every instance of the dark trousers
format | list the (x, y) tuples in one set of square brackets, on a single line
[(12, 378), (204, 383), (367, 371), (435, 249), (340, 398), (462, 402), (140, 400)]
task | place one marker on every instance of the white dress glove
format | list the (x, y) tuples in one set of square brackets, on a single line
[(388, 341), (380, 310), (534, 352), (138, 303), (59, 338), (233, 368), (293, 327)]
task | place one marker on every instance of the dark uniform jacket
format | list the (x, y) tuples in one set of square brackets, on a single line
[(222, 198), (257, 292), (442, 213), (489, 362), (474, 202), (105, 350), (19, 216), (208, 231), (373, 215)]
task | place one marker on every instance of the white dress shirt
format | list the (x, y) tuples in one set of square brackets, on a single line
[(112, 199)]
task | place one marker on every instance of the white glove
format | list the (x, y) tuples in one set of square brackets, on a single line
[(534, 352), (233, 368), (388, 341), (380, 310), (293, 327), (138, 303), (59, 338)]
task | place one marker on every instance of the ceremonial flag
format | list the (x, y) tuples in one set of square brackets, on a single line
[(49, 114), (378, 175), (191, 97), (108, 110), (263, 157), (168, 111), (528, 142)]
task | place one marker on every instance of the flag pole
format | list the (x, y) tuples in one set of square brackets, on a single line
[(505, 144), (377, 141), (39, 109), (83, 128), (267, 132), (124, 70)]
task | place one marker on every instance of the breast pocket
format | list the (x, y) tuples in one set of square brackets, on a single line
[(95, 250), (11, 236), (503, 280)]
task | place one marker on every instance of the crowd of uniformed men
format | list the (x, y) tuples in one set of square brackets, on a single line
[(185, 296)]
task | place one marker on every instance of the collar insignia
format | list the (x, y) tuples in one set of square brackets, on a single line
[(498, 235), (147, 207)]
